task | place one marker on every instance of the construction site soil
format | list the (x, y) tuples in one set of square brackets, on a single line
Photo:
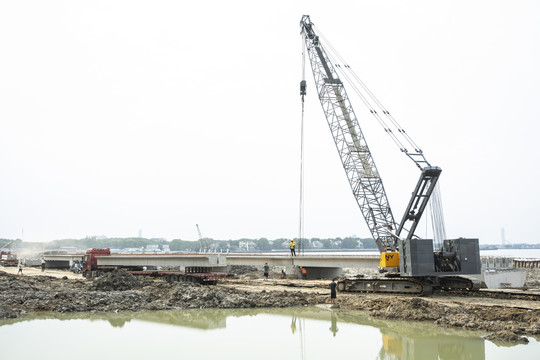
[(503, 316)]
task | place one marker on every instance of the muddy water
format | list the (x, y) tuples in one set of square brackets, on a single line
[(298, 333)]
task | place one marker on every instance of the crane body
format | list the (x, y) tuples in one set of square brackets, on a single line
[(204, 247), (416, 266)]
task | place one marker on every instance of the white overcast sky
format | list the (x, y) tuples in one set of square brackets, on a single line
[(120, 116)]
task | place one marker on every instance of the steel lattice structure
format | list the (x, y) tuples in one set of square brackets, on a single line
[(351, 145)]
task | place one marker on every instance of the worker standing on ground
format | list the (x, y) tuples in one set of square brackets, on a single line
[(20, 268), (266, 268), (292, 245), (42, 265), (333, 287)]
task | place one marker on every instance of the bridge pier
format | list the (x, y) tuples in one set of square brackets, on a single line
[(314, 272)]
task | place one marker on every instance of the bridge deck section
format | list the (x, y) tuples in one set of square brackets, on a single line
[(222, 259)]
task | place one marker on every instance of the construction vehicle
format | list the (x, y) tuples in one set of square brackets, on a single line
[(411, 265), (205, 246), (6, 257), (194, 274)]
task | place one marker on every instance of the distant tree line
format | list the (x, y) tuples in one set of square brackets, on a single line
[(85, 243), (264, 244), (245, 244)]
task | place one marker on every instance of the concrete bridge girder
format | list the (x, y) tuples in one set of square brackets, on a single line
[(163, 260), (351, 261), (61, 261), (317, 266)]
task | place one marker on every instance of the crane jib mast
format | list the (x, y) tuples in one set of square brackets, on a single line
[(364, 179)]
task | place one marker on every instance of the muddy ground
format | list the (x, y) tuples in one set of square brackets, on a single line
[(502, 317)]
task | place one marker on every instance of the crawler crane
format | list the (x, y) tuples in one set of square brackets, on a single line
[(410, 264)]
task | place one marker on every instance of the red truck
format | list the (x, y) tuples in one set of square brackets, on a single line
[(195, 274), (6, 257)]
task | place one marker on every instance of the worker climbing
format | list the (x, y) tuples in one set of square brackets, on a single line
[(292, 245)]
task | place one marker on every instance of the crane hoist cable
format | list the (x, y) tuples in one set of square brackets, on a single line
[(437, 217), (301, 202), (398, 134)]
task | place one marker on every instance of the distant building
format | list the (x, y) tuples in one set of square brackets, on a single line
[(152, 249), (246, 245), (97, 237), (317, 244)]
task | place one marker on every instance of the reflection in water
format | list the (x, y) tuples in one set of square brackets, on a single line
[(308, 329), (414, 345), (333, 321)]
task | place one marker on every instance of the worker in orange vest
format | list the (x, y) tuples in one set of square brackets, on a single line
[(304, 272)]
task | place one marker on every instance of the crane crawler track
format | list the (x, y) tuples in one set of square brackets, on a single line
[(455, 283), (405, 285), (384, 285)]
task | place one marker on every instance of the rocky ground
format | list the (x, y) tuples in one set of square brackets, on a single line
[(502, 317), (118, 291), (533, 278)]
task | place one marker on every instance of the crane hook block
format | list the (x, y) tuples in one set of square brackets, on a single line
[(303, 87)]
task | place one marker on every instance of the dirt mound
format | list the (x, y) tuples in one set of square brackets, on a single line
[(200, 296), (243, 269), (533, 278), (7, 313), (506, 336), (244, 272), (500, 321), (116, 280), (118, 291)]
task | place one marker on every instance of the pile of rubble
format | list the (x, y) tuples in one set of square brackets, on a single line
[(116, 280), (118, 291), (498, 321), (244, 272), (200, 296)]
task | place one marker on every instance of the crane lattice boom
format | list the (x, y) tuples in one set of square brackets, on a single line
[(353, 150)]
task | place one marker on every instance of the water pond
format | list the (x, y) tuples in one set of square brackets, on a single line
[(294, 333)]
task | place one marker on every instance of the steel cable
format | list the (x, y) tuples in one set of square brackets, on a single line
[(395, 123), (301, 200), (365, 94)]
